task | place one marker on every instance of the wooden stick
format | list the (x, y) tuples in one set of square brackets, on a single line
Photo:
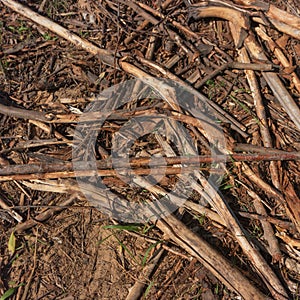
[(105, 56), (136, 291), (210, 258), (257, 52), (276, 85), (44, 215), (279, 54), (292, 209), (136, 166), (259, 106), (280, 19), (204, 252)]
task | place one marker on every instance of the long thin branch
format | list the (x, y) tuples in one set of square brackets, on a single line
[(23, 113), (259, 107), (135, 166), (45, 215), (106, 56), (276, 85), (205, 253)]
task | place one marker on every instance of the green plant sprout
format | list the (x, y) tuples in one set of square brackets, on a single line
[(10, 292), (245, 108)]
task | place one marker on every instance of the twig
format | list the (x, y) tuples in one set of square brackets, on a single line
[(207, 190), (288, 240), (144, 24), (137, 289), (220, 113), (234, 65), (259, 107), (108, 57), (279, 54), (197, 207), (104, 55), (137, 166), (23, 113), (176, 24), (35, 143), (209, 257), (269, 236), (44, 215), (230, 14), (276, 85), (184, 45), (48, 129), (205, 253), (285, 28), (282, 20), (285, 201), (255, 51), (280, 223), (258, 149), (26, 290), (14, 214)]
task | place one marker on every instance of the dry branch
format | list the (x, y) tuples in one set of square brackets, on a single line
[(291, 204), (136, 291), (14, 214), (108, 58), (282, 20), (178, 165), (184, 237), (23, 113), (210, 258), (276, 85), (104, 55), (255, 51), (136, 166), (279, 54), (205, 253), (259, 106)]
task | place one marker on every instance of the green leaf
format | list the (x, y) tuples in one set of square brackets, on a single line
[(126, 250), (148, 252), (12, 28), (22, 28), (147, 228), (123, 227), (148, 289), (12, 243), (227, 186), (103, 240), (8, 293)]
